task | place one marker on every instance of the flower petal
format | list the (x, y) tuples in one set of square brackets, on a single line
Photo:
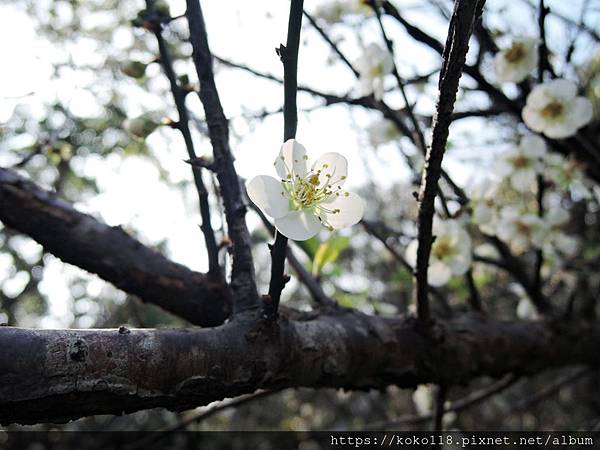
[(522, 180), (438, 273), (349, 207), (268, 194), (560, 130), (532, 118), (533, 145), (561, 89), (291, 160), (581, 111), (333, 167), (411, 253), (298, 225)]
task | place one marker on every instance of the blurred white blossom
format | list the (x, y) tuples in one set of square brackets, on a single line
[(553, 108), (382, 132), (522, 164), (450, 251), (517, 61), (373, 65)]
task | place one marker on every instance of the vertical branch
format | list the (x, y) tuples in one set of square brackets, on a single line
[(438, 414), (182, 125), (417, 134), (454, 57), (243, 283), (543, 62), (539, 254), (289, 58)]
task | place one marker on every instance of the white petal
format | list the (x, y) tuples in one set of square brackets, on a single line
[(581, 111), (411, 253), (438, 273), (561, 89), (365, 85), (350, 208), (298, 225), (560, 130), (533, 119), (533, 145), (538, 97), (522, 180), (268, 194), (460, 263), (291, 159), (333, 167)]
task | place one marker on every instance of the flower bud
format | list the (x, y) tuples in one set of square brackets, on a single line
[(134, 69), (162, 8), (140, 127)]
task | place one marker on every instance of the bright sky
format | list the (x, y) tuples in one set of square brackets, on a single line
[(132, 194)]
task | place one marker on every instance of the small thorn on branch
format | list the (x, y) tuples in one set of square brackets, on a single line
[(203, 162)]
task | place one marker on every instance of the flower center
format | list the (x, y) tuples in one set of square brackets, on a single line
[(442, 247), (522, 228), (520, 162), (309, 192), (552, 110), (515, 53)]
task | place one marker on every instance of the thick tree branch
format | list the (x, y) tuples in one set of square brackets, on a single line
[(57, 375), (111, 253), (457, 45), (243, 284)]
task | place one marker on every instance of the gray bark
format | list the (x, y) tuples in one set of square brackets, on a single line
[(57, 375)]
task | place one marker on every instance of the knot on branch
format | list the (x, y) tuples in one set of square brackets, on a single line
[(78, 350)]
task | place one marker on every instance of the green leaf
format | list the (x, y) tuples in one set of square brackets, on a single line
[(328, 252), (309, 247)]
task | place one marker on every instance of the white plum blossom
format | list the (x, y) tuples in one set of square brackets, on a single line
[(450, 252), (517, 61), (423, 399), (557, 244), (553, 108), (568, 174), (382, 132), (520, 230), (522, 164), (484, 198), (334, 11), (304, 200), (527, 310), (373, 65)]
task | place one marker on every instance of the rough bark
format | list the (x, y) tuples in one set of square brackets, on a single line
[(243, 283), (57, 375), (111, 253)]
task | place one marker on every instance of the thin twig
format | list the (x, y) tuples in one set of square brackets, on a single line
[(243, 284), (457, 406), (417, 133), (289, 58), (372, 230), (333, 45), (543, 63), (199, 417), (457, 44), (552, 388), (311, 283), (474, 297), (438, 413), (539, 254), (183, 126)]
